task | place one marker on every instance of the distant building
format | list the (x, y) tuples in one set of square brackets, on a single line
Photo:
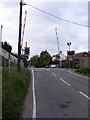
[(82, 58), (57, 57), (81, 54)]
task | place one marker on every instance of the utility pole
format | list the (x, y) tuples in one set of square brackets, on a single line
[(19, 43)]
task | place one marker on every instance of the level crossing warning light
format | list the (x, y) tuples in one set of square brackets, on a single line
[(27, 51)]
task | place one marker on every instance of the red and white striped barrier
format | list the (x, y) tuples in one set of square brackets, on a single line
[(23, 28)]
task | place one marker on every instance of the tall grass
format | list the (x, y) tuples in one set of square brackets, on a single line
[(85, 71), (14, 89)]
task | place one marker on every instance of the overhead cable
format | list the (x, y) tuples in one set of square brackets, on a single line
[(57, 16)]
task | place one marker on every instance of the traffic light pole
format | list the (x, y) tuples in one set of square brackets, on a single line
[(19, 43)]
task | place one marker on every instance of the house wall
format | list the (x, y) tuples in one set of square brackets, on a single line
[(62, 57)]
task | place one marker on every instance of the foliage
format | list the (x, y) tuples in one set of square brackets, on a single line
[(45, 58), (35, 61), (14, 89), (85, 71), (7, 46), (25, 62), (67, 63), (55, 62), (41, 61), (14, 54)]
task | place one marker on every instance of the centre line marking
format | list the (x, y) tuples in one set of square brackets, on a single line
[(84, 95), (54, 74), (65, 82), (34, 99)]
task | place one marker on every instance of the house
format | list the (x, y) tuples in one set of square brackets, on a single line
[(59, 57), (82, 59)]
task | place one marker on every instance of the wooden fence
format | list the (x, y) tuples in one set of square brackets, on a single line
[(84, 62)]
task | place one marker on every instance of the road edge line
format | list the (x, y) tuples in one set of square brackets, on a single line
[(34, 98), (78, 74)]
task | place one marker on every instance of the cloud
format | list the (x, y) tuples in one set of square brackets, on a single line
[(40, 28)]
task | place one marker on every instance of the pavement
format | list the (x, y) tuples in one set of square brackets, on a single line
[(56, 93)]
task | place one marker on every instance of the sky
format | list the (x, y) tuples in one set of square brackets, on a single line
[(40, 28)]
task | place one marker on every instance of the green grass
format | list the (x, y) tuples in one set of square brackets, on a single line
[(14, 89), (85, 71)]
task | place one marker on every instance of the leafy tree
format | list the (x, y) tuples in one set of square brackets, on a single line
[(45, 58), (67, 63), (55, 62), (15, 54), (25, 62), (35, 61), (7, 46)]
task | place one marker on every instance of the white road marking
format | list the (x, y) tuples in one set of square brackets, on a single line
[(78, 75), (65, 82), (34, 99), (54, 74), (84, 95), (70, 71)]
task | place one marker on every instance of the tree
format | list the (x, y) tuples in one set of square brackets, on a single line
[(35, 61), (15, 54), (25, 62), (55, 62), (45, 58), (7, 46)]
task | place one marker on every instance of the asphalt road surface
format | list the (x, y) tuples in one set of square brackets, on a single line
[(58, 93)]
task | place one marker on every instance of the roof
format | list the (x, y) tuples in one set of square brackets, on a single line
[(57, 55), (82, 54)]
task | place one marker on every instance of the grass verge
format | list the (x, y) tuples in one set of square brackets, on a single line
[(14, 90), (85, 71)]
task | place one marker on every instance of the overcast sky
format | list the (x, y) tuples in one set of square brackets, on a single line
[(40, 28)]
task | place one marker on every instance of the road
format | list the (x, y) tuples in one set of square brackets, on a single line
[(58, 93)]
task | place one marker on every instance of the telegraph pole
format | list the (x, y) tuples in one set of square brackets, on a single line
[(19, 42)]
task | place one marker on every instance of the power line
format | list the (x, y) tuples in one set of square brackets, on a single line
[(57, 16), (38, 15)]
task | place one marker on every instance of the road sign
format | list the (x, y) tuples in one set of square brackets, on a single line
[(22, 56)]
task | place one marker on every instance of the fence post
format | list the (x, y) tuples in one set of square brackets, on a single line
[(9, 64)]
